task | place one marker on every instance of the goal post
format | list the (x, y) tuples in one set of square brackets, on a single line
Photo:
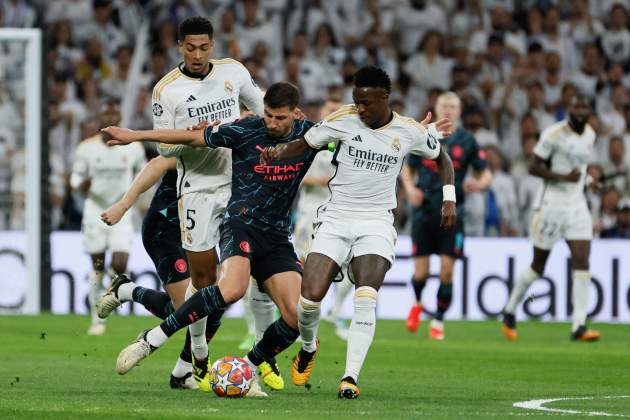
[(33, 160)]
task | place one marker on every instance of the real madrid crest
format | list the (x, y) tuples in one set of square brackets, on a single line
[(189, 238), (228, 86), (396, 145)]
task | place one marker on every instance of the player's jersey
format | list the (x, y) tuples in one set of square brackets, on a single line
[(111, 170), (262, 195), (164, 200), (312, 196), (181, 101), (369, 161), (564, 150), (464, 152)]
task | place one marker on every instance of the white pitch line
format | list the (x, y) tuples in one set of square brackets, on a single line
[(539, 405)]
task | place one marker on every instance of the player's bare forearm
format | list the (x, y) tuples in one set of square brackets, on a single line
[(484, 178), (284, 151), (406, 178), (445, 168), (122, 136), (321, 181), (539, 168)]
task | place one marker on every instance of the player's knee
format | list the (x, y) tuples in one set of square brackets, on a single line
[(118, 267), (203, 278), (313, 291), (289, 315)]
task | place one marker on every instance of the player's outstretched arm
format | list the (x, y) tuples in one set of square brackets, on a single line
[(146, 178), (284, 151), (120, 136), (447, 175), (539, 168)]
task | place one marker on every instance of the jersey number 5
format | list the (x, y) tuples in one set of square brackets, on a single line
[(191, 222)]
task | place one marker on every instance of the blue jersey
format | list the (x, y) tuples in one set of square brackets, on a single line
[(262, 195), (164, 200)]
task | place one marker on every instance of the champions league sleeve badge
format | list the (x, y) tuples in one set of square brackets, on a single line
[(157, 110)]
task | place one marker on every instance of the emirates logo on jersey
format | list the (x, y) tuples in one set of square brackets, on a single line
[(228, 86)]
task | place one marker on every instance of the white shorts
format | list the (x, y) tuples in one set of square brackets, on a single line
[(303, 235), (554, 222), (342, 235), (99, 237), (200, 216)]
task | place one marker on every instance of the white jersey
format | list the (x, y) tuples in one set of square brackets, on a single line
[(312, 196), (180, 102), (565, 150), (369, 161), (110, 169)]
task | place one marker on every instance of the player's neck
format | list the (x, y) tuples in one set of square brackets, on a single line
[(201, 75), (577, 127), (383, 121)]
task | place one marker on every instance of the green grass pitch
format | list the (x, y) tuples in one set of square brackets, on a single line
[(49, 368)]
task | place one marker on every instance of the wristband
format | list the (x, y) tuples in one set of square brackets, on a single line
[(432, 130), (448, 193)]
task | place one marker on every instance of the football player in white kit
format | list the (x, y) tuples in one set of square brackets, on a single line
[(357, 221), (561, 158), (202, 90), (313, 193), (103, 173)]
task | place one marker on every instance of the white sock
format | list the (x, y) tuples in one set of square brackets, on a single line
[(262, 307), (181, 368), (248, 314), (251, 364), (308, 320), (125, 291), (156, 337), (581, 284), (95, 279), (341, 291), (526, 278), (198, 343), (361, 331)]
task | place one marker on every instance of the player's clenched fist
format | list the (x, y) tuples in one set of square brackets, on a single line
[(449, 214), (269, 154)]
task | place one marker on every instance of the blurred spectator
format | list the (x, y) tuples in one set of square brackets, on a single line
[(616, 39), (102, 29), (617, 169), (501, 207), (608, 212), (589, 75), (621, 229), (17, 14)]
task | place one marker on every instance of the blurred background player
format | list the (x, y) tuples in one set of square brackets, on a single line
[(313, 193), (425, 195), (202, 90), (161, 239), (102, 174), (561, 158)]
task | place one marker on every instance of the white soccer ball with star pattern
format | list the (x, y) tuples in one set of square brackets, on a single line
[(231, 377)]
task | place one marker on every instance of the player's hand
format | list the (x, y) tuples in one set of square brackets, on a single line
[(573, 176), (118, 136), (444, 127), (427, 120), (112, 215), (449, 214), (415, 196), (268, 154), (201, 125)]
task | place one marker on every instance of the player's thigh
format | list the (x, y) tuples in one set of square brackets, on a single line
[(369, 270), (546, 227), (203, 267), (319, 271), (234, 278), (580, 252), (200, 216), (95, 236), (284, 289), (374, 237), (425, 235), (177, 292)]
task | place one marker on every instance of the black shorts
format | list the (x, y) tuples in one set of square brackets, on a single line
[(269, 252), (162, 241), (429, 238)]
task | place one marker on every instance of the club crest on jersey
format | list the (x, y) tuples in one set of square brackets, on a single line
[(189, 238), (228, 86), (157, 110), (396, 145)]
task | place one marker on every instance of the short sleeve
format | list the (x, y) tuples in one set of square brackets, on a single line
[(478, 156), (164, 119), (544, 147), (321, 134), (424, 143), (224, 135), (250, 94)]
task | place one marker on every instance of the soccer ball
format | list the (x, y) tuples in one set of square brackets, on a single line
[(231, 377)]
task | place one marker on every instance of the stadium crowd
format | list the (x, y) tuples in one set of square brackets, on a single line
[(513, 63)]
